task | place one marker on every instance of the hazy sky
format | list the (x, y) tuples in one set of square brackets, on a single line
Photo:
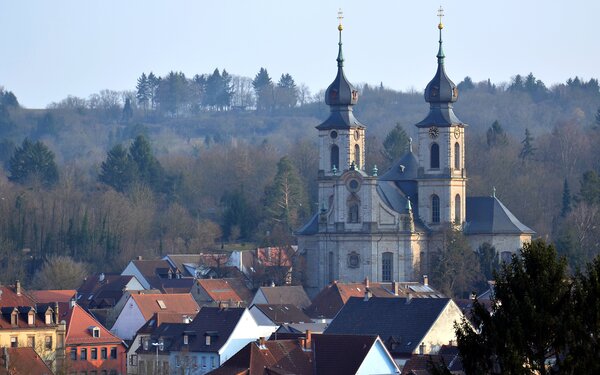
[(53, 48)]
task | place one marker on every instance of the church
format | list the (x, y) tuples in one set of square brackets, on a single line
[(385, 227)]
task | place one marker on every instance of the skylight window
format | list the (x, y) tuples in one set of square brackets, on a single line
[(161, 304)]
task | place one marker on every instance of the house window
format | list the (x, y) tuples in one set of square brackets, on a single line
[(213, 362), (14, 342), (31, 319), (48, 318), (113, 353), (133, 359), (185, 339), (161, 304), (435, 156), (505, 256), (357, 156), (177, 361), (335, 157), (95, 332), (457, 209), (48, 342), (31, 341), (387, 267), (204, 361), (94, 353), (353, 208), (435, 209), (73, 354), (456, 155), (83, 354), (103, 353)]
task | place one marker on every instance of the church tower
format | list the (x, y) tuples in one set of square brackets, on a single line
[(442, 175), (341, 136)]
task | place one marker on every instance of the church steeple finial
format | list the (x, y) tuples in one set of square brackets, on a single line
[(340, 58), (440, 54)]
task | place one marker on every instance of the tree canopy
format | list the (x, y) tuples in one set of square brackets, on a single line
[(31, 162)]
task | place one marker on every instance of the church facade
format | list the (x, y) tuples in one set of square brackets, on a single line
[(386, 227)]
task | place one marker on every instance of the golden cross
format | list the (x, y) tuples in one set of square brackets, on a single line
[(440, 13), (340, 16)]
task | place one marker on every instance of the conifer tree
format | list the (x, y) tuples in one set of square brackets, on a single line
[(566, 200), (528, 150), (395, 143), (143, 91), (33, 161), (496, 136), (117, 170), (264, 90), (590, 188)]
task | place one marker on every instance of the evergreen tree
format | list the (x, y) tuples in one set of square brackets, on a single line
[(33, 161), (488, 260), (590, 188), (528, 150), (153, 84), (285, 199), (598, 117), (238, 214), (226, 94), (263, 86), (287, 92), (6, 123), (173, 94), (127, 111), (396, 143), (117, 170), (148, 169), (8, 99), (214, 86), (143, 94), (466, 84), (496, 136), (527, 326), (517, 83), (566, 200)]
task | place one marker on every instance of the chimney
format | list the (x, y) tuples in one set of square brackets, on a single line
[(425, 280), (101, 277), (18, 287), (72, 302), (139, 257), (473, 296), (408, 298), (422, 348), (272, 284), (368, 294), (366, 282), (261, 342), (56, 314), (396, 286), (186, 319), (306, 341)]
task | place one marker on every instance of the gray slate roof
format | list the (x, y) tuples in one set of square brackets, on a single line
[(287, 294), (393, 319), (487, 215)]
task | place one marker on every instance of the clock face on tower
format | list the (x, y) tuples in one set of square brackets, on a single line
[(434, 132)]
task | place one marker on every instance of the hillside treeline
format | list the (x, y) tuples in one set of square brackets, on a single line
[(184, 164)]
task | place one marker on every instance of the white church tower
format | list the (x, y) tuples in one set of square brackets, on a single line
[(442, 175)]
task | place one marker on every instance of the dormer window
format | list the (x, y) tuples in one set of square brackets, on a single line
[(48, 317), (95, 331), (185, 339), (31, 318), (207, 340), (14, 318)]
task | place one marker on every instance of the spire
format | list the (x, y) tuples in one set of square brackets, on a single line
[(440, 54), (340, 96), (340, 58), (440, 92)]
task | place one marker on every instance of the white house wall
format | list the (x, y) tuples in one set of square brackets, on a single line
[(129, 321), (442, 330), (378, 361)]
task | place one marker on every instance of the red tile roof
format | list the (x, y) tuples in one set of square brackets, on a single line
[(9, 297), (219, 290), (22, 361), (173, 303), (79, 327), (48, 296)]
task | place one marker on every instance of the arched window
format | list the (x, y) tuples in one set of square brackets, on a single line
[(457, 209), (335, 157), (387, 267), (357, 156), (456, 155), (435, 156), (435, 209), (353, 209)]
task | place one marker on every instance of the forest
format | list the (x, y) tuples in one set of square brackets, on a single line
[(186, 164)]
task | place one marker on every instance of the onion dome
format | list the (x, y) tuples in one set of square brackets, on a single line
[(340, 96), (440, 93)]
